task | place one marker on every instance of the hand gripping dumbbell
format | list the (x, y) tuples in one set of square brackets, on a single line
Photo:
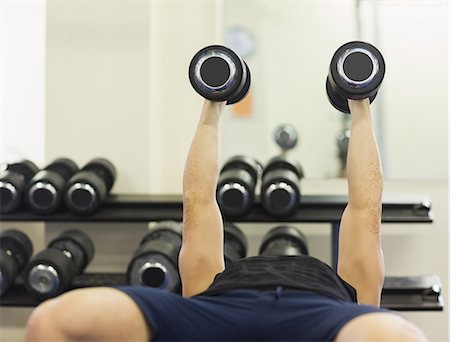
[(13, 181), (155, 262), (51, 271), (280, 186), (283, 240), (235, 243), (87, 189), (286, 137), (356, 72), (219, 74), (15, 251), (45, 191), (236, 185)]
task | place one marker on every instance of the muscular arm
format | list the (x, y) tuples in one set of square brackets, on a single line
[(361, 260), (201, 255)]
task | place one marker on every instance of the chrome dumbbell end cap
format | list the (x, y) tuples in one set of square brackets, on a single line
[(8, 196), (286, 136), (359, 74), (207, 60), (82, 196), (154, 274), (237, 192), (43, 279), (42, 195)]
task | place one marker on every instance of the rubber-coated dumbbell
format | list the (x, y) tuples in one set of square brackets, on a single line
[(219, 74), (356, 72), (155, 262), (283, 240), (286, 137), (13, 181), (236, 185), (87, 189), (45, 191), (235, 243), (342, 140), (51, 271), (15, 251), (280, 186)]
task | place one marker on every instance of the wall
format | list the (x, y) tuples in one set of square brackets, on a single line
[(23, 39)]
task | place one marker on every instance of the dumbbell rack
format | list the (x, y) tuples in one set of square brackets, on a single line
[(121, 208)]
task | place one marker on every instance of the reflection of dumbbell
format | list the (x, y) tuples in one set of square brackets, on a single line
[(51, 271), (219, 74), (155, 262), (286, 137), (283, 240), (236, 185), (87, 189), (280, 186), (356, 72), (235, 246), (15, 251), (13, 181), (45, 190)]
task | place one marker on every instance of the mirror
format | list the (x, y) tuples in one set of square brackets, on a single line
[(289, 45)]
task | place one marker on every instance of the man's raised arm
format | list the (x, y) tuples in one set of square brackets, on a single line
[(361, 260), (201, 255)]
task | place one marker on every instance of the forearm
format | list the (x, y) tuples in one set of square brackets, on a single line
[(364, 171), (202, 165)]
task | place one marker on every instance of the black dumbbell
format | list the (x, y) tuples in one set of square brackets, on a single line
[(236, 185), (356, 72), (284, 240), (342, 140), (219, 74), (87, 189), (45, 191), (235, 243), (286, 137), (13, 181), (51, 271), (15, 251), (155, 262), (280, 186)]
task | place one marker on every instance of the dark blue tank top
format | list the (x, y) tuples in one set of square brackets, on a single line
[(290, 272)]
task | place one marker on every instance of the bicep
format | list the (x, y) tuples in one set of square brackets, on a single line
[(361, 261), (201, 256)]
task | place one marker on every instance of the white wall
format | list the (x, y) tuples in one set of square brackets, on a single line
[(22, 81)]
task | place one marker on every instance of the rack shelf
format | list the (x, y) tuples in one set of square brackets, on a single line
[(398, 294), (313, 209)]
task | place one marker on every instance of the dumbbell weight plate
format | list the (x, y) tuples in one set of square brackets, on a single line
[(286, 233), (19, 244), (8, 270), (155, 264), (48, 274), (234, 237), (243, 92)]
